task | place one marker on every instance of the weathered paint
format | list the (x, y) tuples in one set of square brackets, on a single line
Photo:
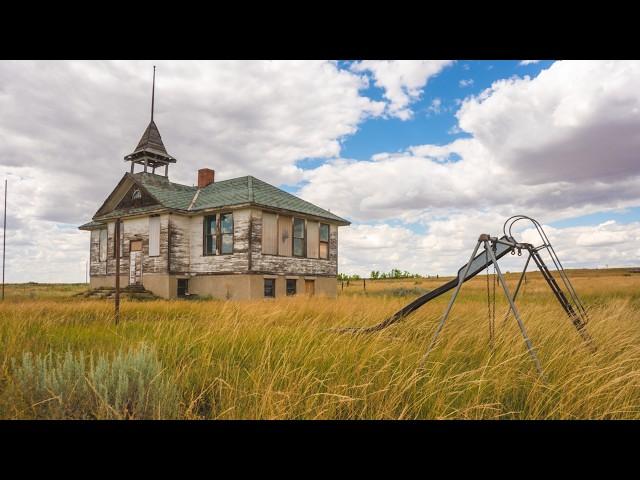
[(237, 262), (292, 265), (182, 256)]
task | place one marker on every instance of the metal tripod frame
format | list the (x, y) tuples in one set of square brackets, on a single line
[(487, 241)]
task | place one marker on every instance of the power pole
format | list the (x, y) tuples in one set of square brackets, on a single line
[(4, 234), (86, 272), (117, 247)]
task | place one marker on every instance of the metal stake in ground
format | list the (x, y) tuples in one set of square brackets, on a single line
[(117, 247), (4, 234)]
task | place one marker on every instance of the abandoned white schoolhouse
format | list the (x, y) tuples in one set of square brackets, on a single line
[(237, 239)]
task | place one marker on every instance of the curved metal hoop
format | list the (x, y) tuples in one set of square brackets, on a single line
[(546, 245)]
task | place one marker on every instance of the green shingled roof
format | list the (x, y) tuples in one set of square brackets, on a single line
[(169, 194), (226, 193)]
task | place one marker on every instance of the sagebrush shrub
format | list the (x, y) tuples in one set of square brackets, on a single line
[(130, 384)]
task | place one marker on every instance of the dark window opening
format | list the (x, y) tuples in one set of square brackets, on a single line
[(270, 287), (298, 237), (291, 286), (183, 287)]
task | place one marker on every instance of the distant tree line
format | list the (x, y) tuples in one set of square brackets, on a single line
[(394, 273), (377, 275)]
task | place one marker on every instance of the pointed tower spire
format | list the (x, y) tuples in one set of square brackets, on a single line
[(153, 92), (150, 151)]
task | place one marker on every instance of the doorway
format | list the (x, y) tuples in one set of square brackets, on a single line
[(310, 287), (135, 262)]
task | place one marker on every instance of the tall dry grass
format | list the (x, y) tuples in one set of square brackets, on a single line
[(281, 359)]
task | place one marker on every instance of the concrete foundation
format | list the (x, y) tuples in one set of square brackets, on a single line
[(225, 287)]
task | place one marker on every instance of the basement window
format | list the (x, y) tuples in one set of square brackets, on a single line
[(183, 287), (298, 237), (270, 287), (291, 286), (324, 240)]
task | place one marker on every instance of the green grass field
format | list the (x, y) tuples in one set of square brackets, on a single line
[(63, 357)]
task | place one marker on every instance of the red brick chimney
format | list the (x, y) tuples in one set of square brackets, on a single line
[(205, 177)]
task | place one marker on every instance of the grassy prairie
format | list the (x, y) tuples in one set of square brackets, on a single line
[(62, 357)]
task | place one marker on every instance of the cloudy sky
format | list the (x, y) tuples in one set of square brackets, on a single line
[(421, 156)]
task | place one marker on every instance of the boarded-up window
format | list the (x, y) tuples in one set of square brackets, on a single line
[(284, 236), (154, 236), (324, 240), (269, 233), (312, 239), (103, 245)]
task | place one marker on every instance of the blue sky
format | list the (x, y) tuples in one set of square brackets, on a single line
[(393, 135), (449, 87)]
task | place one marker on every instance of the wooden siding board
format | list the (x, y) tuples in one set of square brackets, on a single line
[(179, 255)]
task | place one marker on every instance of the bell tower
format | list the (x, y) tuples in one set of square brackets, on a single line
[(150, 152)]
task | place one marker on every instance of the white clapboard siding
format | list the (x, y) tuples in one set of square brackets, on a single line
[(313, 238), (284, 235), (154, 236), (269, 233)]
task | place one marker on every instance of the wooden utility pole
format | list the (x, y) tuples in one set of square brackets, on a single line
[(117, 247), (4, 234)]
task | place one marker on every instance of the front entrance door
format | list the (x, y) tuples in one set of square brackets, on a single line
[(310, 287), (135, 262)]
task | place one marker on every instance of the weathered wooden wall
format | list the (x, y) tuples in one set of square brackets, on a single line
[(261, 263), (179, 242), (181, 249), (133, 229), (238, 262)]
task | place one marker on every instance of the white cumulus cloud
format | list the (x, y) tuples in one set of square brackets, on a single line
[(402, 80)]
